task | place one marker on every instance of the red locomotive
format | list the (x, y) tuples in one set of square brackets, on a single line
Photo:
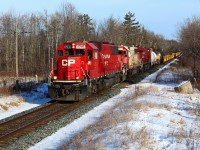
[(84, 68), (138, 58)]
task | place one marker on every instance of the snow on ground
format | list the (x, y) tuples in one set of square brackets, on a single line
[(167, 120), (20, 102), (160, 118)]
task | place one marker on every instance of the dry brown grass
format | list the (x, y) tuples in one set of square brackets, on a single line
[(93, 137), (176, 122), (187, 135), (5, 91), (180, 73), (7, 105), (142, 137), (3, 107), (196, 109)]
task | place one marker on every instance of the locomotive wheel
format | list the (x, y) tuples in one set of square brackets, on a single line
[(101, 84), (123, 77), (51, 92), (77, 94), (94, 87), (117, 78)]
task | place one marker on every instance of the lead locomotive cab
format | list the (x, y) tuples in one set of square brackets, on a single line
[(74, 63), (84, 68)]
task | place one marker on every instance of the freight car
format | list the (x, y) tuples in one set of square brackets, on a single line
[(84, 68)]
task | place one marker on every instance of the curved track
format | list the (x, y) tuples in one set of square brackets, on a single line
[(12, 129), (19, 126)]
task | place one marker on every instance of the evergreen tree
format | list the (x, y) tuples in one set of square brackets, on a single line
[(130, 28), (86, 27)]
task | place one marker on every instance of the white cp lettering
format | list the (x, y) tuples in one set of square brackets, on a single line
[(67, 62)]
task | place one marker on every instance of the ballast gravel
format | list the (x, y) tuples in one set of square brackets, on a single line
[(37, 135)]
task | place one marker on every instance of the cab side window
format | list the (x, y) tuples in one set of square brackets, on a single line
[(89, 54), (120, 52), (125, 53), (69, 52), (60, 52)]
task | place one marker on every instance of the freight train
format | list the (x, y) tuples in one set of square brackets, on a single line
[(86, 67)]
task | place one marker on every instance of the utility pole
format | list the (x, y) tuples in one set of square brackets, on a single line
[(16, 50), (15, 32)]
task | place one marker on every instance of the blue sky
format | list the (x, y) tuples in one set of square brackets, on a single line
[(160, 16)]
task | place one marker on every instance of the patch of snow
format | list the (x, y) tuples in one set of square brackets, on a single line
[(14, 104)]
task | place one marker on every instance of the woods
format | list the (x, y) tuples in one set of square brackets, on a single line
[(189, 37), (31, 39)]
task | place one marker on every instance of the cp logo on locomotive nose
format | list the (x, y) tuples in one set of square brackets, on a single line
[(68, 62)]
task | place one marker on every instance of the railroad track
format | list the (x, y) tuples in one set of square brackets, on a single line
[(19, 126), (13, 129)]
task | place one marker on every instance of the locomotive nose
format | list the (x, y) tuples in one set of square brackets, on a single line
[(69, 68)]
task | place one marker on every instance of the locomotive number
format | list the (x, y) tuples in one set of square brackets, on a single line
[(68, 62), (68, 47), (80, 46)]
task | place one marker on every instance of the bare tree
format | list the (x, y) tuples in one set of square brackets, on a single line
[(69, 22), (8, 45), (189, 38), (110, 30)]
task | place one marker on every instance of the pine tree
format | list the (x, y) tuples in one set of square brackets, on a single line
[(130, 28), (86, 27)]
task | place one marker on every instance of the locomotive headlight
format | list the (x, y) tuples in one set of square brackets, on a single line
[(73, 45), (55, 77), (89, 62), (77, 78)]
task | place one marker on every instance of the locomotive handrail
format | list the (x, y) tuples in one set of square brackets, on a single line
[(85, 75)]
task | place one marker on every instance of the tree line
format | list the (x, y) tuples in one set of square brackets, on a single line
[(36, 36), (189, 43)]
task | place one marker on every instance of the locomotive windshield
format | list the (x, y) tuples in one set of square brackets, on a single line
[(122, 53), (77, 52), (69, 52), (80, 52)]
